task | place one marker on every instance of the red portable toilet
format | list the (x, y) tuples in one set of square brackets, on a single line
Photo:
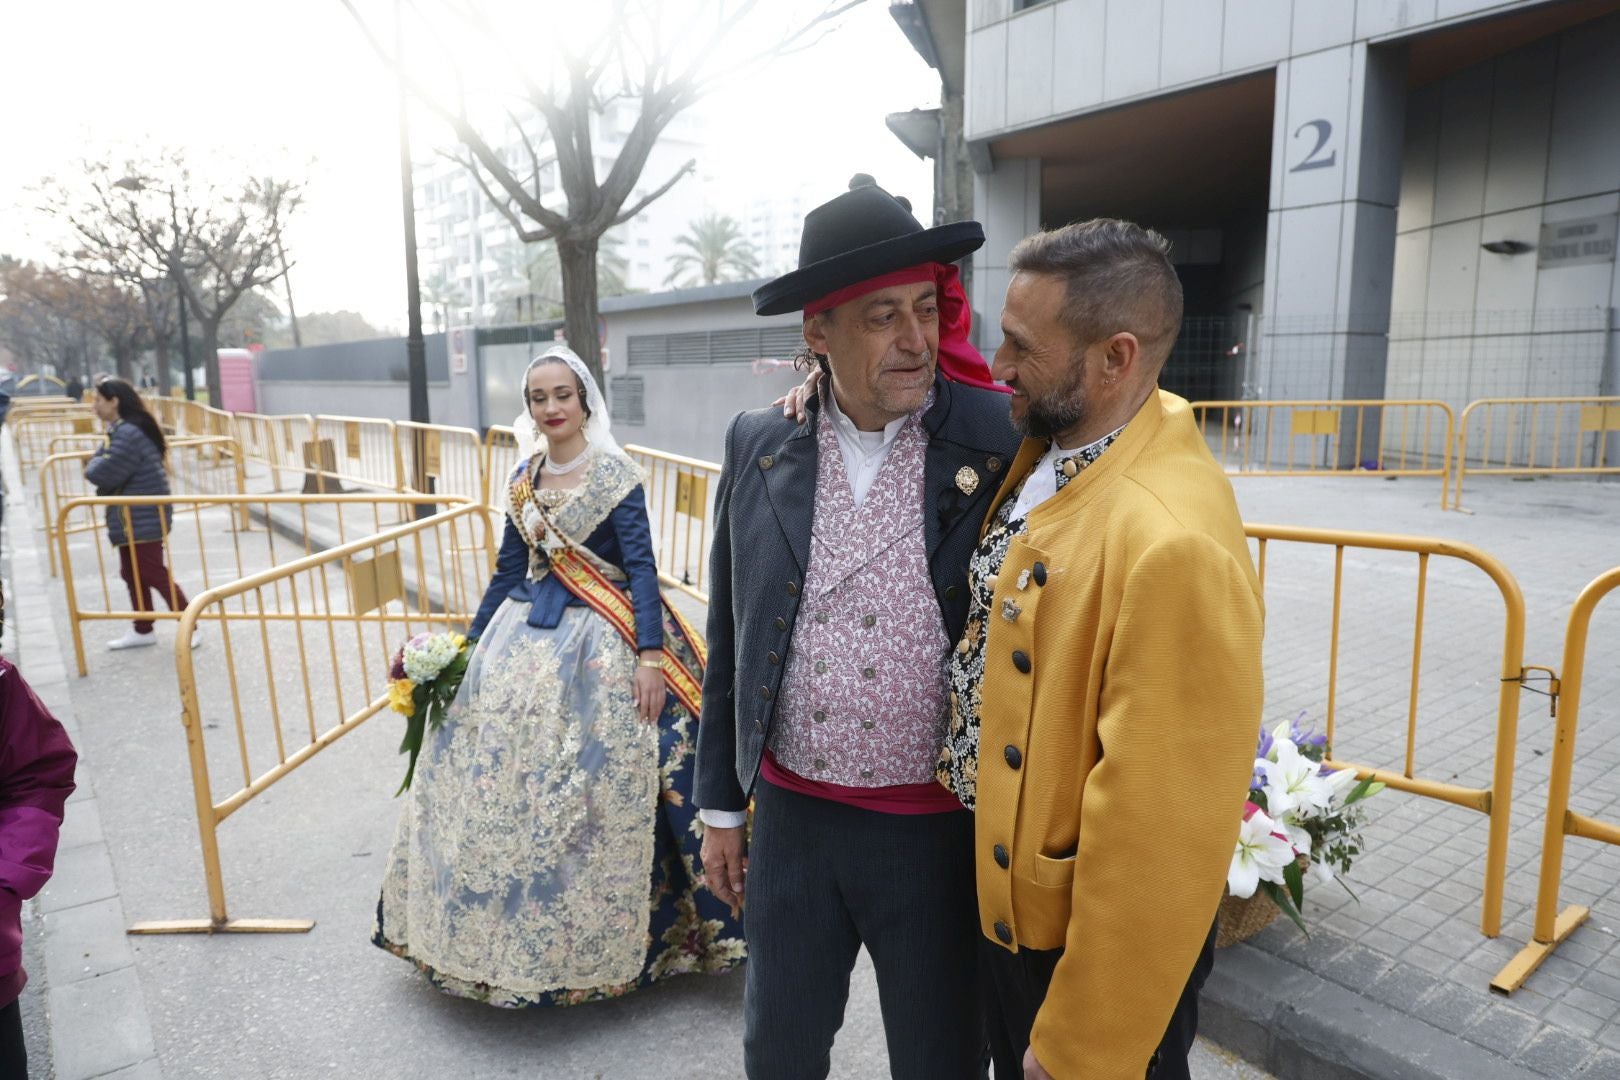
[(236, 380)]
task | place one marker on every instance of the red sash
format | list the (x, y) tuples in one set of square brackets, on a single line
[(685, 654)]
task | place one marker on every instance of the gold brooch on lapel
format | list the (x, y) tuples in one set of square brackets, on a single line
[(967, 481)]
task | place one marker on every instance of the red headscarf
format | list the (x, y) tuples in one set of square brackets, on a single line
[(959, 361)]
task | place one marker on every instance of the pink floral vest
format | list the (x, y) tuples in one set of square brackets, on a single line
[(863, 702)]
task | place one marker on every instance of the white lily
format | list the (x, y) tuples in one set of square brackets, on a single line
[(1339, 783), (1292, 781), (1259, 856), (1296, 833)]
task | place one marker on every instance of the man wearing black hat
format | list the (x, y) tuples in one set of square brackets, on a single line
[(837, 590)]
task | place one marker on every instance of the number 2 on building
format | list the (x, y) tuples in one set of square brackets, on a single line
[(1314, 159)]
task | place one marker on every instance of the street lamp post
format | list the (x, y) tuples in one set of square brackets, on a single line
[(185, 341), (415, 350)]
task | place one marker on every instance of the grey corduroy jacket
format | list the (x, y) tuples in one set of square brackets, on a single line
[(130, 464)]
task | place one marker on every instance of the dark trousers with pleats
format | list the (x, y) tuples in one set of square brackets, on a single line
[(825, 878), (1015, 984)]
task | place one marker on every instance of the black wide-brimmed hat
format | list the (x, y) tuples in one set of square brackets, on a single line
[(861, 234)]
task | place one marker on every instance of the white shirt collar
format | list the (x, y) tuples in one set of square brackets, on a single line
[(1041, 483), (870, 442)]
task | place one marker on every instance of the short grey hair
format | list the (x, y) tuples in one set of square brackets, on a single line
[(1118, 279)]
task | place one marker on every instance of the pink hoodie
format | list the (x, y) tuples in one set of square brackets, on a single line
[(36, 778)]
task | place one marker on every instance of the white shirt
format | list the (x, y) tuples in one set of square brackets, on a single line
[(1042, 482), (864, 453)]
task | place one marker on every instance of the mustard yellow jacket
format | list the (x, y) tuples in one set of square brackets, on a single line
[(1118, 726)]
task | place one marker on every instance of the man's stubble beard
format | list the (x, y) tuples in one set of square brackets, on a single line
[(1058, 410), (902, 402)]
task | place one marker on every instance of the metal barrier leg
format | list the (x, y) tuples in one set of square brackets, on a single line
[(208, 820), (1551, 925), (74, 623)]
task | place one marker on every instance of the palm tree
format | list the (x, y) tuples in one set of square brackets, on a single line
[(714, 245)]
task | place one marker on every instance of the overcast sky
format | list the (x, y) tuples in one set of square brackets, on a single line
[(291, 88)]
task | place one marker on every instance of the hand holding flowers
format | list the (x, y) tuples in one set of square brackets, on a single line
[(424, 677), (1300, 815)]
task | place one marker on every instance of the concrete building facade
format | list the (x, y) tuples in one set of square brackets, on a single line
[(1378, 198)]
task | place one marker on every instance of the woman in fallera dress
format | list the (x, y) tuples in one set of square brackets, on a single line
[(547, 853)]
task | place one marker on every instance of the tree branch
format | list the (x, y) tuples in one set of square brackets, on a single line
[(626, 215)]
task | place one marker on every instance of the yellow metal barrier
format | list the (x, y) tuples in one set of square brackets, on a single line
[(435, 458), (202, 466), (353, 450), (1494, 801), (317, 635), (211, 543), (277, 443), (680, 494), (1370, 437), (500, 458), (1551, 925), (21, 406), (1543, 436), (34, 433)]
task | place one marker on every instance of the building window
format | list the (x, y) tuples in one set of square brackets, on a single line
[(1025, 5)]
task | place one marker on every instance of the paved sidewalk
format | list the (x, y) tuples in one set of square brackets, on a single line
[(97, 1015), (1395, 985)]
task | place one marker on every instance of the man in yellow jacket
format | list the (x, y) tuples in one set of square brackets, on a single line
[(1106, 693)]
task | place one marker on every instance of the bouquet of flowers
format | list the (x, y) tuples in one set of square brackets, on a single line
[(423, 680), (1301, 816)]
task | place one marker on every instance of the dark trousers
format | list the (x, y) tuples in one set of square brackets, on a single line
[(824, 878), (1014, 985), (148, 559), (13, 1052)]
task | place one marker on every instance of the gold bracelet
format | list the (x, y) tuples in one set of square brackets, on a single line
[(659, 664)]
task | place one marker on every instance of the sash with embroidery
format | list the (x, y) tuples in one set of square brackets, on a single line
[(592, 579)]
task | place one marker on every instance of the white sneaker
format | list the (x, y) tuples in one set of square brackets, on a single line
[(132, 640), (197, 639)]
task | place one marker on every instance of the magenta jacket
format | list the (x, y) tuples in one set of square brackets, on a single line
[(36, 778)]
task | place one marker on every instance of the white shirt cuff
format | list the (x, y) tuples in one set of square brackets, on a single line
[(723, 819)]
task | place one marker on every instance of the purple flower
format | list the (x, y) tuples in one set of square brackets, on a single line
[(396, 670), (1264, 749)]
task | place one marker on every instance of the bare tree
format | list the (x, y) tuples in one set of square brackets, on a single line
[(114, 310), (45, 318), (160, 301), (216, 244), (659, 54)]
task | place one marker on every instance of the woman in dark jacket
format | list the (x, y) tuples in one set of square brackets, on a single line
[(132, 464)]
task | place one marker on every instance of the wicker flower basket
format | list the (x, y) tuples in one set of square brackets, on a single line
[(1242, 918)]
